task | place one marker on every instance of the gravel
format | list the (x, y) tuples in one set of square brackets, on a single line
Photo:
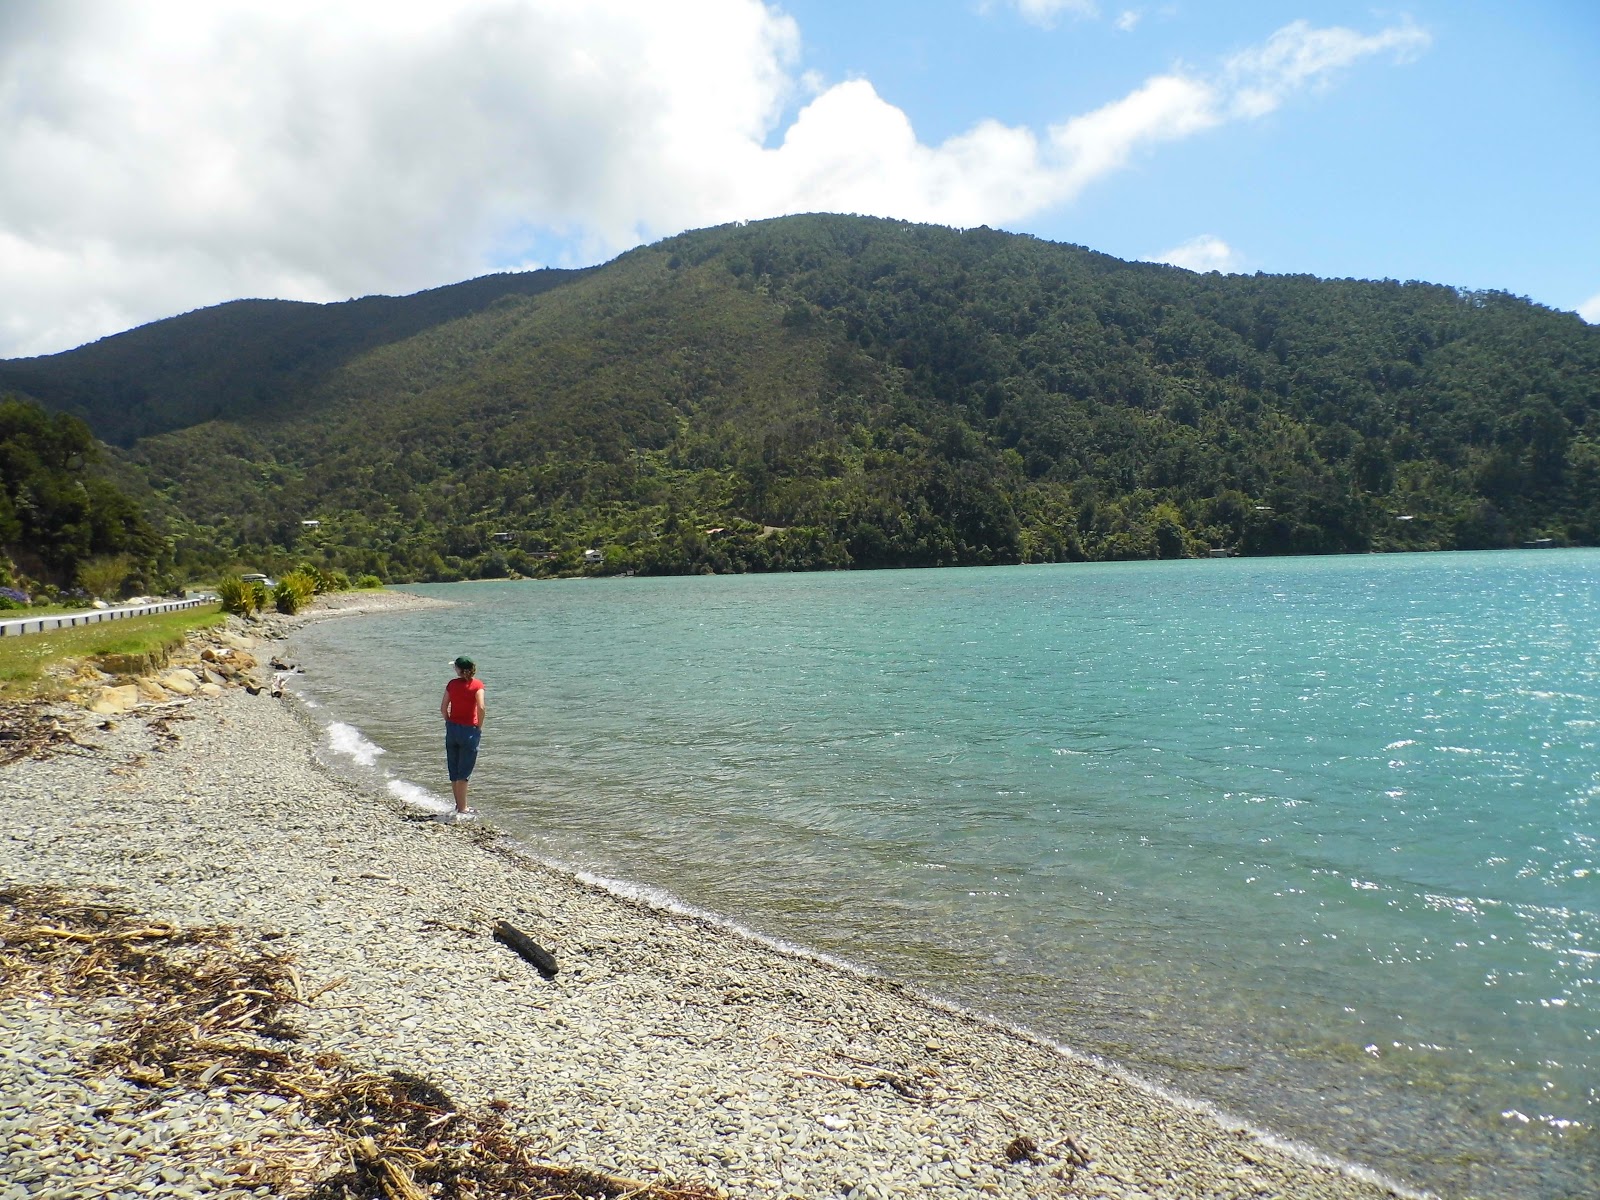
[(665, 1047)]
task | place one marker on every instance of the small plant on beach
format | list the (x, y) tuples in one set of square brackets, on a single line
[(367, 582), (241, 596), (294, 591), (321, 580)]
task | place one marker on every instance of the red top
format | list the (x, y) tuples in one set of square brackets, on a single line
[(462, 695)]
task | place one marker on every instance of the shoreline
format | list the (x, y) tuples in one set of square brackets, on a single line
[(669, 1044)]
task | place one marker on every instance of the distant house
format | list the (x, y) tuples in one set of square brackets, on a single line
[(1221, 552), (593, 556), (502, 537), (312, 524)]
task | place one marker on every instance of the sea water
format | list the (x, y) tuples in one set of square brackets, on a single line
[(1313, 839)]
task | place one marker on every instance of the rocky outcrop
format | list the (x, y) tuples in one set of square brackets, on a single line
[(210, 662)]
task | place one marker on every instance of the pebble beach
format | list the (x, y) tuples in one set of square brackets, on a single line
[(666, 1047)]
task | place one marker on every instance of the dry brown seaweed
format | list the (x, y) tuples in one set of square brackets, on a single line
[(204, 1010), (30, 730)]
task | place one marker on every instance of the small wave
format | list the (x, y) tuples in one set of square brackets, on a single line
[(414, 795), (353, 744)]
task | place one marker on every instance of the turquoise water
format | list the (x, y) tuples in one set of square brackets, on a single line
[(1313, 838)]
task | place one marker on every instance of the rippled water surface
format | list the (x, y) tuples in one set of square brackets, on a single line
[(1313, 838)]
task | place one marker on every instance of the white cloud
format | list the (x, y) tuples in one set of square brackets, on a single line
[(1299, 55), (1045, 12), (1129, 19), (1589, 310), (1207, 252), (159, 158)]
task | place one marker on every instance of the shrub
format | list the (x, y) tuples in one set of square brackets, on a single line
[(321, 581), (240, 597), (11, 597), (106, 575), (369, 581), (294, 592), (284, 598)]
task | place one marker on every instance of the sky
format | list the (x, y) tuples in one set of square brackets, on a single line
[(158, 156)]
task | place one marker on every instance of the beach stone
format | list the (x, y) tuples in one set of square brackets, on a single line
[(182, 681), (151, 691), (209, 690), (113, 700)]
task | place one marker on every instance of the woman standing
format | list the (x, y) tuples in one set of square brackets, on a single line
[(462, 710)]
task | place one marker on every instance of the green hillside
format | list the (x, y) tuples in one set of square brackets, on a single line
[(238, 359), (835, 391)]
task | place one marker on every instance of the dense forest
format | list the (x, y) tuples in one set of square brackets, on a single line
[(62, 520), (828, 391)]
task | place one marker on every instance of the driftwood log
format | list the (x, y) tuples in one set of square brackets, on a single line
[(524, 945)]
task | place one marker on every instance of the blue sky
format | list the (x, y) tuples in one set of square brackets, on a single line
[(1475, 162), (160, 157)]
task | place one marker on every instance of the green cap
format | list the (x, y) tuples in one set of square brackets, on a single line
[(465, 664)]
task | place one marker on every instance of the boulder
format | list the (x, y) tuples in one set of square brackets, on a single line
[(183, 682), (209, 690), (150, 691), (112, 700)]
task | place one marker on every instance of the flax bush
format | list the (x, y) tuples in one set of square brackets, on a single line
[(241, 596), (294, 592)]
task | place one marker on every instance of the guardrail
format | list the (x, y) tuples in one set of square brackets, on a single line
[(93, 617)]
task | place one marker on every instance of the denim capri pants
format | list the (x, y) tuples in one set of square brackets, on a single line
[(460, 749)]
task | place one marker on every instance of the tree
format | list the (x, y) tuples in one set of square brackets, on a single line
[(106, 576)]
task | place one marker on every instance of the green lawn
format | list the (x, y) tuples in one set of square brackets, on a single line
[(25, 659)]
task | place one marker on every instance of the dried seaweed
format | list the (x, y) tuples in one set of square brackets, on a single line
[(205, 1010), (30, 730)]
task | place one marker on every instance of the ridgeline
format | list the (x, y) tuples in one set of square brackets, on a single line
[(830, 391)]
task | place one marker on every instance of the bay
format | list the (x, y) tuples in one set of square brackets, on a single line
[(1313, 839)]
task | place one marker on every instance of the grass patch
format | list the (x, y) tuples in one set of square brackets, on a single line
[(39, 610), (26, 660)]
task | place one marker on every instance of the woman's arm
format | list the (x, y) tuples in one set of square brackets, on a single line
[(444, 705), (479, 694)]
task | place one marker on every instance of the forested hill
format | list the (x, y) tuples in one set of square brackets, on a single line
[(838, 391), (237, 359)]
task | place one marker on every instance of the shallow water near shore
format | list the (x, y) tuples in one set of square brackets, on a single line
[(1314, 839)]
